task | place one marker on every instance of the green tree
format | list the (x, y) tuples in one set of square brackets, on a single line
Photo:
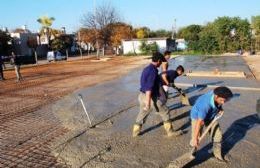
[(255, 25), (148, 48), (46, 21), (191, 35), (61, 43), (5, 43), (232, 33), (46, 29), (224, 34), (160, 33), (67, 42), (207, 40), (57, 44), (142, 32)]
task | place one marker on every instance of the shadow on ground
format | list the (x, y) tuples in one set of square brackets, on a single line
[(235, 133), (179, 117)]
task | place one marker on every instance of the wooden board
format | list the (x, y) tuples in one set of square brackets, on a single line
[(232, 74)]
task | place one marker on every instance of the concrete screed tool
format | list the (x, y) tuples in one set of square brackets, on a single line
[(184, 99), (188, 157)]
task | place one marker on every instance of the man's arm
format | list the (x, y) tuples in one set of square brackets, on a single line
[(175, 87), (202, 110), (148, 95), (198, 126), (165, 80), (164, 66)]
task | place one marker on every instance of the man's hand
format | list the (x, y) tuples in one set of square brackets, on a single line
[(196, 143), (148, 95), (196, 135), (179, 90), (147, 108), (173, 86)]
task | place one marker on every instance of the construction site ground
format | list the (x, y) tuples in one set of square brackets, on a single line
[(43, 123)]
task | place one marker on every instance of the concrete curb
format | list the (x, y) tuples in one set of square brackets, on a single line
[(214, 86)]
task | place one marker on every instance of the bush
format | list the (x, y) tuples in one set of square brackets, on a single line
[(148, 48)]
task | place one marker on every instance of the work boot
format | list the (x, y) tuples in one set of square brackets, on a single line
[(136, 130), (217, 152), (168, 127)]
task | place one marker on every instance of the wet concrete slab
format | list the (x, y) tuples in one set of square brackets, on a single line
[(110, 143), (228, 63)]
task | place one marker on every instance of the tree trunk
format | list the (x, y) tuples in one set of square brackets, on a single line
[(98, 51), (80, 50), (36, 57)]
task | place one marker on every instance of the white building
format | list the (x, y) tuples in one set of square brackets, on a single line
[(20, 42), (21, 37), (133, 45), (181, 44)]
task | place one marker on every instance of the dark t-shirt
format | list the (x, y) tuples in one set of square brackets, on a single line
[(171, 75), (150, 80), (1, 60), (164, 60), (17, 60)]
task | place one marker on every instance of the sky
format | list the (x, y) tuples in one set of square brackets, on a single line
[(155, 14)]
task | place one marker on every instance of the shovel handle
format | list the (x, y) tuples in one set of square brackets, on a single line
[(216, 118)]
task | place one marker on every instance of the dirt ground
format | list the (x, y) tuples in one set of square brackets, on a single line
[(25, 133), (254, 64)]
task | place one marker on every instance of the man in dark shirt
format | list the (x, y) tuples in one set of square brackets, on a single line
[(149, 97), (165, 61), (17, 66), (1, 69), (169, 76)]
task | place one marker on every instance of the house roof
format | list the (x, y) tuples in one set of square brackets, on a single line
[(20, 30)]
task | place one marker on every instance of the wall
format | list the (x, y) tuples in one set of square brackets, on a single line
[(20, 43), (133, 46)]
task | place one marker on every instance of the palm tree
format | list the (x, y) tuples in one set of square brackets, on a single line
[(46, 29), (46, 21)]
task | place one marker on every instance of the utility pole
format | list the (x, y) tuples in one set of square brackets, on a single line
[(79, 44), (174, 29), (95, 15)]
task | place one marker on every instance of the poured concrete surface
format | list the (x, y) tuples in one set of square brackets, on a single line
[(254, 61), (110, 143)]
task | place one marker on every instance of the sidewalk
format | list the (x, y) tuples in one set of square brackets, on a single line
[(45, 62)]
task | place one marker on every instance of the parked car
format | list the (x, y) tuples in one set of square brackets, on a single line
[(6, 58), (55, 56)]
